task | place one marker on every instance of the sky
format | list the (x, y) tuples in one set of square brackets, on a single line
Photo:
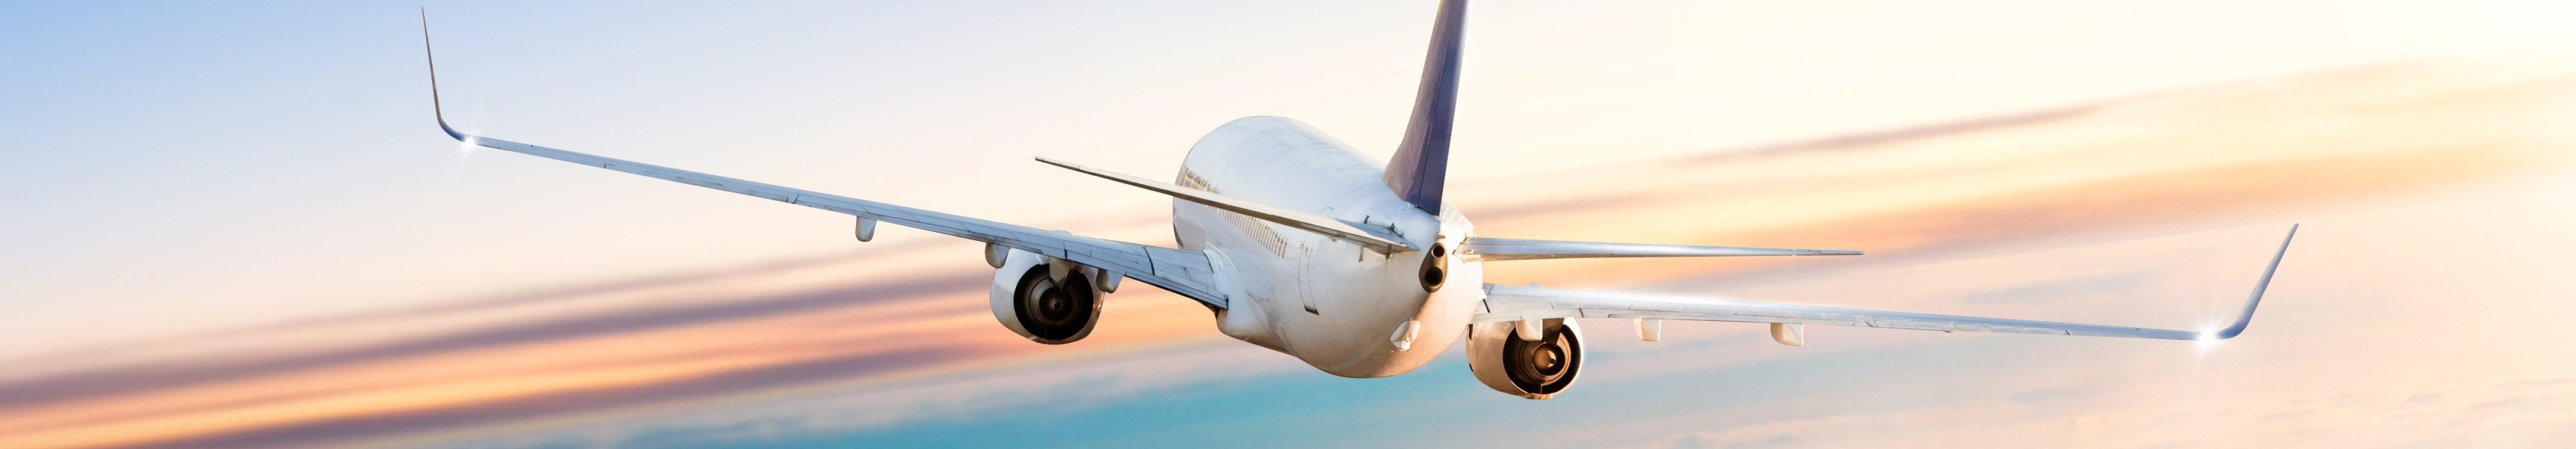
[(236, 226)]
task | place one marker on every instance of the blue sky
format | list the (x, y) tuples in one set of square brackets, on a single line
[(237, 222)]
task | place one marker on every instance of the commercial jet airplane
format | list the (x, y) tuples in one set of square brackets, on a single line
[(1299, 243)]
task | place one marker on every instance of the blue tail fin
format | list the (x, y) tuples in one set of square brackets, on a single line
[(1421, 164)]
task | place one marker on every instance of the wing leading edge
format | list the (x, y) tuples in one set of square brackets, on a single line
[(1507, 303), (1187, 273)]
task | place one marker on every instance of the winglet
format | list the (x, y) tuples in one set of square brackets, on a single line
[(2248, 316), (434, 107)]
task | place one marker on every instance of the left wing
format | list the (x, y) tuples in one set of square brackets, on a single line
[(1507, 303), (1187, 273), (1183, 272)]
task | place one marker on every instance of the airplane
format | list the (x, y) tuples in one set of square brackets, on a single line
[(1298, 243)]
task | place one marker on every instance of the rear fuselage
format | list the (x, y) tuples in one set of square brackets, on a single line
[(1331, 303)]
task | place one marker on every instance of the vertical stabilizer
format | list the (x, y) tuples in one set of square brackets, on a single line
[(1422, 163)]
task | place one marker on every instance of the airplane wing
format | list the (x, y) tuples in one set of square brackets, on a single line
[(1493, 249), (1184, 272), (1507, 303), (1374, 237)]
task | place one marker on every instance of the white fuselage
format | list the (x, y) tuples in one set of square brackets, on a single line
[(1331, 303)]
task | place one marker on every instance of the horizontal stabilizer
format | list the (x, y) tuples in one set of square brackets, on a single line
[(1493, 249), (1375, 238)]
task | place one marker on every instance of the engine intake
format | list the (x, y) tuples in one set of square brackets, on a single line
[(1531, 369), (1044, 299)]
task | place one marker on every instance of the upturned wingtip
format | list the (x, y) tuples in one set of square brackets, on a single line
[(435, 109), (2247, 317)]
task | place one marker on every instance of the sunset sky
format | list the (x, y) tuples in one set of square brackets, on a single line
[(237, 226)]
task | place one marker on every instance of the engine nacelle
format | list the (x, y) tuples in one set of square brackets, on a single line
[(1045, 299), (1530, 369)]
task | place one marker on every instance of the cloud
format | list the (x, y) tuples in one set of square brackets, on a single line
[(1047, 389), (643, 283), (146, 378), (342, 429), (1794, 433), (1871, 139), (2051, 394), (2473, 413)]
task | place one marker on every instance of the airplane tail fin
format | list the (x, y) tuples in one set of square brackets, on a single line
[(1421, 164)]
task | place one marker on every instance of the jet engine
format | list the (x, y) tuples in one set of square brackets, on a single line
[(1045, 299), (1531, 368)]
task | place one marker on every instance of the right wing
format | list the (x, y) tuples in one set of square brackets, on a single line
[(1187, 273), (1507, 303), (1493, 249)]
